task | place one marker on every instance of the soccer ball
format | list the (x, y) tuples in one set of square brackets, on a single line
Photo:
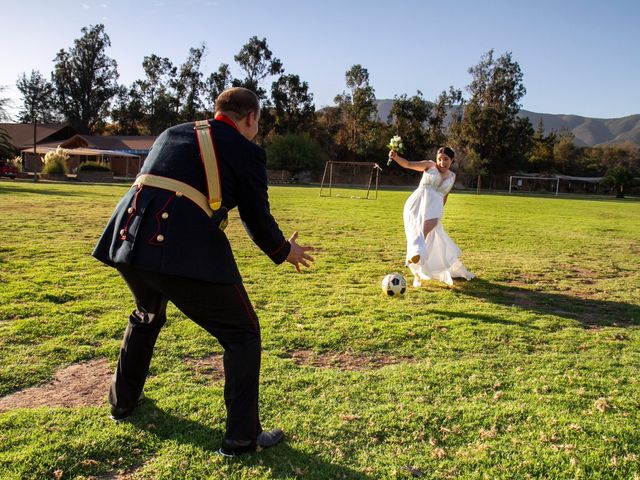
[(394, 284)]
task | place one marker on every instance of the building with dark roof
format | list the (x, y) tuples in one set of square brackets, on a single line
[(124, 155)]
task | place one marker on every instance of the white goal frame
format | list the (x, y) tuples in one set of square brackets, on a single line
[(375, 172), (557, 180)]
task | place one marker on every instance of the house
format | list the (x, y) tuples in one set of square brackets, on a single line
[(23, 136), (124, 155)]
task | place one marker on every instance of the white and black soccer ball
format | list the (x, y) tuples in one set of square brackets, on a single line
[(394, 284)]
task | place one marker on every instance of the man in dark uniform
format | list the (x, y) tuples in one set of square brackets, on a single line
[(169, 245)]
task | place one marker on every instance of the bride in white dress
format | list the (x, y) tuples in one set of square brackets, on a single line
[(431, 254)]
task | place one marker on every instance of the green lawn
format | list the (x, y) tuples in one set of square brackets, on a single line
[(528, 371)]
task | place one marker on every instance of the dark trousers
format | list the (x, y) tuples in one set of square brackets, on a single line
[(224, 310)]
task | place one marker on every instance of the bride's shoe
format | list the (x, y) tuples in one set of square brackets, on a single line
[(417, 283)]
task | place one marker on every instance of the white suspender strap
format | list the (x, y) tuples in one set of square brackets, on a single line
[(210, 163)]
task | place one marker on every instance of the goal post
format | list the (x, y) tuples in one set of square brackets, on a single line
[(350, 176), (519, 181)]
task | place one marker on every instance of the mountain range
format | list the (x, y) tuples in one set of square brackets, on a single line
[(588, 131)]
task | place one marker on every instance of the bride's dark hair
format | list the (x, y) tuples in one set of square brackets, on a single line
[(448, 151)]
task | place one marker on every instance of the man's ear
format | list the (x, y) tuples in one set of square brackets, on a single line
[(251, 118)]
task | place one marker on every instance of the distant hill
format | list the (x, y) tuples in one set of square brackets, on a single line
[(588, 131)]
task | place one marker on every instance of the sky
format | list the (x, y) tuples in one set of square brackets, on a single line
[(579, 57)]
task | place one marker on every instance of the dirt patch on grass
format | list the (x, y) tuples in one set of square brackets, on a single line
[(210, 367), (128, 474), (345, 360), (78, 385)]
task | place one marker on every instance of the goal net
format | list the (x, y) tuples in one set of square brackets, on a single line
[(350, 180)]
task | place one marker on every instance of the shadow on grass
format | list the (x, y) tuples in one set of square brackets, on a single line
[(589, 312), (39, 189), (54, 189), (478, 317), (283, 461)]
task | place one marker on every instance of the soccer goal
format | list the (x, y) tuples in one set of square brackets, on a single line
[(350, 179), (532, 184)]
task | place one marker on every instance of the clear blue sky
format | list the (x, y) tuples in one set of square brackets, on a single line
[(577, 57)]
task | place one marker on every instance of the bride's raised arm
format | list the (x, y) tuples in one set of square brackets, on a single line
[(420, 166)]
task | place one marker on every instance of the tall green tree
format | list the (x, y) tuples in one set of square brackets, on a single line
[(128, 112), (38, 103), (566, 155), (293, 107), (621, 177), (4, 105), (188, 86), (215, 84), (448, 103), (85, 79), (541, 155), (490, 130), (295, 152), (156, 93), (257, 62), (6, 144), (358, 105), (409, 117)]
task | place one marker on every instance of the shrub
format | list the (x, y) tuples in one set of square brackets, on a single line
[(295, 152), (56, 161), (620, 178), (17, 162), (93, 167)]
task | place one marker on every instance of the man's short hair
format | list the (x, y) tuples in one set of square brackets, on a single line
[(237, 101)]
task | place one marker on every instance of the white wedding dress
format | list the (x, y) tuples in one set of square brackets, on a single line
[(438, 253)]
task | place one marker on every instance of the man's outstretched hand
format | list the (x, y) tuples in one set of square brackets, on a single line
[(298, 254)]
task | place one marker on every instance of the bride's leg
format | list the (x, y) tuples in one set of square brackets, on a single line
[(427, 226)]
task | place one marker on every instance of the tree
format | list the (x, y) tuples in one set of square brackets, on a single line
[(328, 122), (293, 105), (565, 154), (4, 105), (359, 109), (295, 152), (541, 155), (409, 117), (620, 177), (444, 104), (85, 79), (215, 84), (128, 112), (257, 62), (188, 86), (156, 95), (37, 99), (494, 138), (7, 149)]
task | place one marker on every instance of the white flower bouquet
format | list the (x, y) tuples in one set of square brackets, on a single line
[(395, 144)]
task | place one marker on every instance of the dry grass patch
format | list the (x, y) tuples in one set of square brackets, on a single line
[(345, 360)]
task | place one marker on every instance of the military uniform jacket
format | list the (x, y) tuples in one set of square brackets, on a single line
[(162, 231)]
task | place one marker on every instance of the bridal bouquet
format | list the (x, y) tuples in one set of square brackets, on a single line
[(395, 144)]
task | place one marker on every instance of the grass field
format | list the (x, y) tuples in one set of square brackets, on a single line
[(528, 371)]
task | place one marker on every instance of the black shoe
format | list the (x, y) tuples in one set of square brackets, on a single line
[(118, 413), (233, 448), (270, 438)]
